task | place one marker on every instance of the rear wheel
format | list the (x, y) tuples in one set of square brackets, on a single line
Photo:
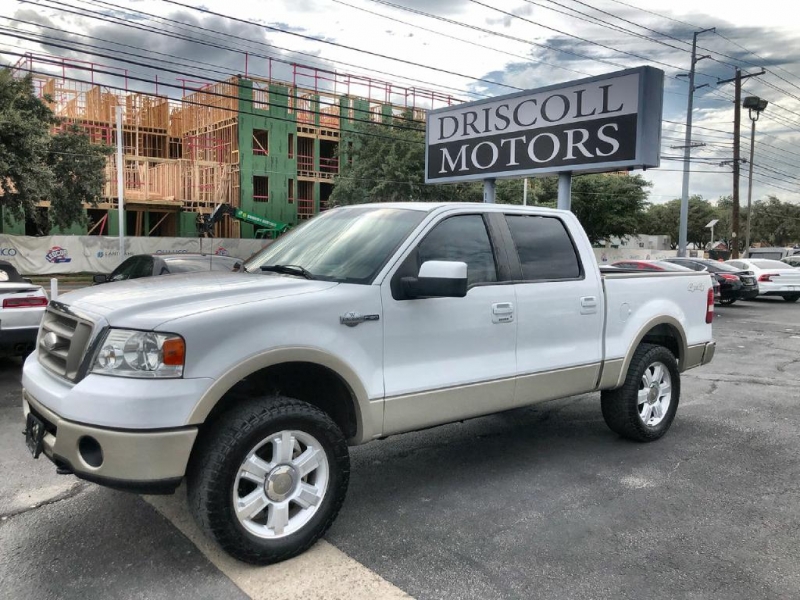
[(792, 297), (269, 479), (645, 406)]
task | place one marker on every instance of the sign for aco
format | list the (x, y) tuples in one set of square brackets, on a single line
[(598, 124)]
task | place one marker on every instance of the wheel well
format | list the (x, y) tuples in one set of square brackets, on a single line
[(309, 382), (668, 336)]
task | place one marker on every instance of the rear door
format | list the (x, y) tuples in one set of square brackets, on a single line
[(560, 310)]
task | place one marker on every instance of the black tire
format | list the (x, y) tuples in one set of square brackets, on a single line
[(222, 449), (621, 406), (792, 297)]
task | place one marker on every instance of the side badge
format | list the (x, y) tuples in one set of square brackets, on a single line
[(351, 319)]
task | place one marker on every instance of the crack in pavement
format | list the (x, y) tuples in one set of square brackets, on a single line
[(76, 489)]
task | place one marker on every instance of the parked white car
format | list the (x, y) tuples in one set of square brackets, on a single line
[(366, 321), (22, 306), (775, 278)]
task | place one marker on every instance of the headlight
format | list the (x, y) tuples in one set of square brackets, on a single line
[(145, 354)]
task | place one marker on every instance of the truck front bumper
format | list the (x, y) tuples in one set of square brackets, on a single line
[(142, 461)]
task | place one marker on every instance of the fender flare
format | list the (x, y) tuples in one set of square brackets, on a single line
[(369, 415), (683, 347)]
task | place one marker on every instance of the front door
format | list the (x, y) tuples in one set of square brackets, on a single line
[(446, 359)]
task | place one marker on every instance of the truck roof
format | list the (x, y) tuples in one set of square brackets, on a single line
[(431, 206)]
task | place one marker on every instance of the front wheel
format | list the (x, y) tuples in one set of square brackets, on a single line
[(269, 479), (792, 297), (644, 407)]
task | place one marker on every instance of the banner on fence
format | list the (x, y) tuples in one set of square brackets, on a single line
[(62, 254)]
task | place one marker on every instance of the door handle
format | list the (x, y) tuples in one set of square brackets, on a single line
[(588, 305), (502, 312)]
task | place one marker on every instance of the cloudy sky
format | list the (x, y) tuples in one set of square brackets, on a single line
[(468, 49)]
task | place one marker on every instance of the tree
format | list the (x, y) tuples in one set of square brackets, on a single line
[(25, 124), (775, 223), (78, 166), (664, 219), (64, 168), (388, 164)]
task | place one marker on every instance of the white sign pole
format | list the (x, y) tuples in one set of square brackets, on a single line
[(525, 192), (565, 191), (120, 185), (489, 191)]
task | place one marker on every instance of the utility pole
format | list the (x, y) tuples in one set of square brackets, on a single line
[(687, 150), (737, 118), (120, 184)]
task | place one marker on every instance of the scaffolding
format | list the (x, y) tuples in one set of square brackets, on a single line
[(182, 153)]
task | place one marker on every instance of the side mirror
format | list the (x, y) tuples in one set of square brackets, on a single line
[(437, 279), (100, 278)]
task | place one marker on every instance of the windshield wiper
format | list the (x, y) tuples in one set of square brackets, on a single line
[(288, 270)]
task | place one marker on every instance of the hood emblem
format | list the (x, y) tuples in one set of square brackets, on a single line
[(351, 319)]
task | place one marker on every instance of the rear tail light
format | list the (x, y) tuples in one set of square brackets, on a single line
[(710, 306), (766, 277), (729, 276), (31, 302)]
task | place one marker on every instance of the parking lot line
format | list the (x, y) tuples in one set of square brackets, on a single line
[(323, 573)]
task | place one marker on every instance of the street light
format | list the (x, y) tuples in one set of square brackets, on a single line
[(755, 106)]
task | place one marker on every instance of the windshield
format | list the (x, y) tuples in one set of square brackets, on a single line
[(769, 264), (344, 244)]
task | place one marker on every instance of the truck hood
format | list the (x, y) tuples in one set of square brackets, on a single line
[(151, 301)]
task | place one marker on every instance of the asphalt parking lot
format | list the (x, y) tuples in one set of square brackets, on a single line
[(543, 502)]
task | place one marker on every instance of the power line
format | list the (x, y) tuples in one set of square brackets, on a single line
[(448, 36), (633, 54), (92, 51), (195, 103), (104, 16), (339, 45)]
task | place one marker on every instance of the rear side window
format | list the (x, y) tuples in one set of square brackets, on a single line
[(544, 247)]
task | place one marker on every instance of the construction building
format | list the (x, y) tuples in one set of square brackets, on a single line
[(272, 148)]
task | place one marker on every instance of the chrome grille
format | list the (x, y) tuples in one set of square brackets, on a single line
[(62, 343)]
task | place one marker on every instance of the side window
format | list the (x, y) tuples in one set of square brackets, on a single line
[(465, 239), (126, 270), (144, 268), (544, 247)]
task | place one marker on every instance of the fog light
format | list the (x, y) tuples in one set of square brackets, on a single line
[(90, 450)]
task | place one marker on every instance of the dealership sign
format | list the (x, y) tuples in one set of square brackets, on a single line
[(604, 123)]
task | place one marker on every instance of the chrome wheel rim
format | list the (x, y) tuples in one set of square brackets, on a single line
[(280, 485), (655, 394)]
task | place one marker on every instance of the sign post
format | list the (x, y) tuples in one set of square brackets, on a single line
[(564, 191), (489, 191), (606, 123)]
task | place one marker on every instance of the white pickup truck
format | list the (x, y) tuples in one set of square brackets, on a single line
[(367, 321)]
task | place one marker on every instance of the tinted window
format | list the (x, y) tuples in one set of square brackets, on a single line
[(738, 265), (133, 268), (345, 244), (462, 239), (189, 265), (544, 247)]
